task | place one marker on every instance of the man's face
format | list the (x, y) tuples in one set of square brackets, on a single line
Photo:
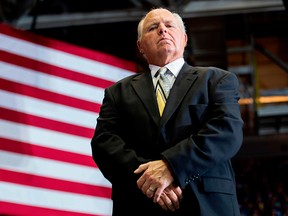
[(162, 38)]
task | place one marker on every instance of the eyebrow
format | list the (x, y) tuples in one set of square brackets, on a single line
[(157, 22)]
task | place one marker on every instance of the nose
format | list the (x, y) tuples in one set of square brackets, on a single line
[(162, 29)]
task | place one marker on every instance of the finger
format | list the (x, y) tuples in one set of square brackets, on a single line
[(140, 182), (141, 168), (174, 198), (150, 192), (158, 193), (168, 202), (162, 204), (178, 192), (145, 184)]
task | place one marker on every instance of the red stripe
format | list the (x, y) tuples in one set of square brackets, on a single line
[(46, 123), (45, 152), (54, 184), (53, 70), (25, 210), (65, 47), (48, 96)]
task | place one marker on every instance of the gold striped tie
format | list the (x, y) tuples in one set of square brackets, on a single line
[(162, 88)]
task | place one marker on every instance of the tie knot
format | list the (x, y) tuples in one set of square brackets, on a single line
[(161, 71)]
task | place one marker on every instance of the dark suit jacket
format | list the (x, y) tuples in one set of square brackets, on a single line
[(198, 134)]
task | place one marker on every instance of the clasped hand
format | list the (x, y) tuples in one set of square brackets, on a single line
[(156, 182)]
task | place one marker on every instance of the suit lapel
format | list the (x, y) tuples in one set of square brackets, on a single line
[(183, 83), (144, 88)]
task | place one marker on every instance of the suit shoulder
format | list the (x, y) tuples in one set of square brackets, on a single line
[(214, 72), (211, 69), (125, 80)]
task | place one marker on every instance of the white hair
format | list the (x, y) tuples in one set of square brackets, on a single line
[(176, 15)]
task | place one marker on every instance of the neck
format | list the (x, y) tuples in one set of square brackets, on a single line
[(162, 61)]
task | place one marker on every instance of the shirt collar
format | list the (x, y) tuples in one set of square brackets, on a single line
[(174, 67)]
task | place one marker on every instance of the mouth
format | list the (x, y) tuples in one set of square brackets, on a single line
[(164, 40)]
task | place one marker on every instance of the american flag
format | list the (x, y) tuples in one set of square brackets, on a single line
[(50, 95)]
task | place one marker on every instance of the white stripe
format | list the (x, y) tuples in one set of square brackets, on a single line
[(47, 109), (51, 83), (45, 138), (62, 59), (51, 168), (66, 201)]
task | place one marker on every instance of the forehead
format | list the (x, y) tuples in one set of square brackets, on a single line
[(159, 15)]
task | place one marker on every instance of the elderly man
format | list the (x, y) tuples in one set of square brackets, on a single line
[(164, 138)]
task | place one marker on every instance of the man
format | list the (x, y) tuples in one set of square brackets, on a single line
[(176, 161)]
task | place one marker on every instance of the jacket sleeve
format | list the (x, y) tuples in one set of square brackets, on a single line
[(109, 150)]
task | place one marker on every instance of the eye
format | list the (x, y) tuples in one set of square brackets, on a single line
[(151, 28), (170, 25)]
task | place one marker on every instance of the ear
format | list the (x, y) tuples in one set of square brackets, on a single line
[(139, 46), (185, 39)]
